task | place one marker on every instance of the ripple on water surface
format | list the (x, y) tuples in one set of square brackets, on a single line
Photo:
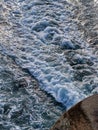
[(23, 106), (51, 41)]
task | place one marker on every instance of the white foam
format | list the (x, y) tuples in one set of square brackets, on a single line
[(96, 1)]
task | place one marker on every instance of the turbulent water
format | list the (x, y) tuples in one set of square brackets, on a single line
[(23, 106), (55, 41)]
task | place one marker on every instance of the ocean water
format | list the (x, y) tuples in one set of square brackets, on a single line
[(23, 105), (55, 41)]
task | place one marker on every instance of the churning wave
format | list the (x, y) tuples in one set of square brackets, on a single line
[(46, 38)]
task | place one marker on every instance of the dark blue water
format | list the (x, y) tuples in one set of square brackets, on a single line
[(55, 41)]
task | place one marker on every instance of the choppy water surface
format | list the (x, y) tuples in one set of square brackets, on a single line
[(56, 41), (23, 106)]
